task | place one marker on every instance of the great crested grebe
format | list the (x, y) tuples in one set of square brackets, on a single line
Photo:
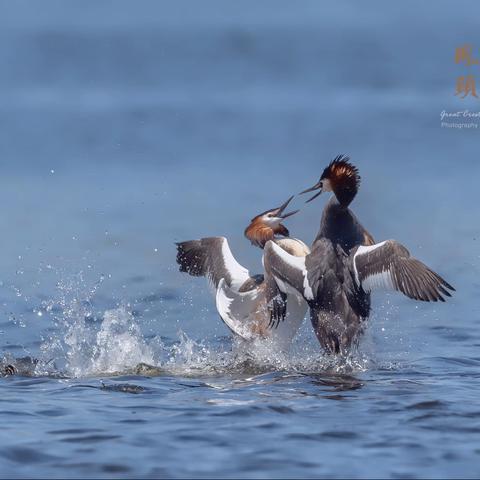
[(345, 265), (252, 306)]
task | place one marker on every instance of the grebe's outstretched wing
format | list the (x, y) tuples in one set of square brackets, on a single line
[(236, 308), (289, 271), (389, 265), (249, 314), (212, 258)]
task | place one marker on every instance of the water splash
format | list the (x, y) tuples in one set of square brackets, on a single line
[(115, 345), (85, 342), (112, 345), (119, 343)]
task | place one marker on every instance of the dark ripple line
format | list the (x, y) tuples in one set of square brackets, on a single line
[(428, 404), (73, 431), (26, 454), (90, 438), (335, 434)]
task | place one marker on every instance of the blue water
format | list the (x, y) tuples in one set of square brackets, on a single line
[(127, 126)]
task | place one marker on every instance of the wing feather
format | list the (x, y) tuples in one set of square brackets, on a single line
[(287, 269), (389, 265), (236, 309), (211, 257)]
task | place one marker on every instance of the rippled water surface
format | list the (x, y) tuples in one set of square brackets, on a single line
[(125, 127)]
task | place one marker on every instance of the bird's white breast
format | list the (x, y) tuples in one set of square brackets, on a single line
[(293, 246)]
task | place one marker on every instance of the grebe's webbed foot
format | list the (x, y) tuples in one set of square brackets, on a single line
[(278, 309), (9, 370)]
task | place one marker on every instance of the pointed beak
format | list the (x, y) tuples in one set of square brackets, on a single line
[(279, 213), (289, 214), (317, 186)]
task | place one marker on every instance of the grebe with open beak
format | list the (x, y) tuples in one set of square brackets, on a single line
[(345, 265), (252, 306)]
